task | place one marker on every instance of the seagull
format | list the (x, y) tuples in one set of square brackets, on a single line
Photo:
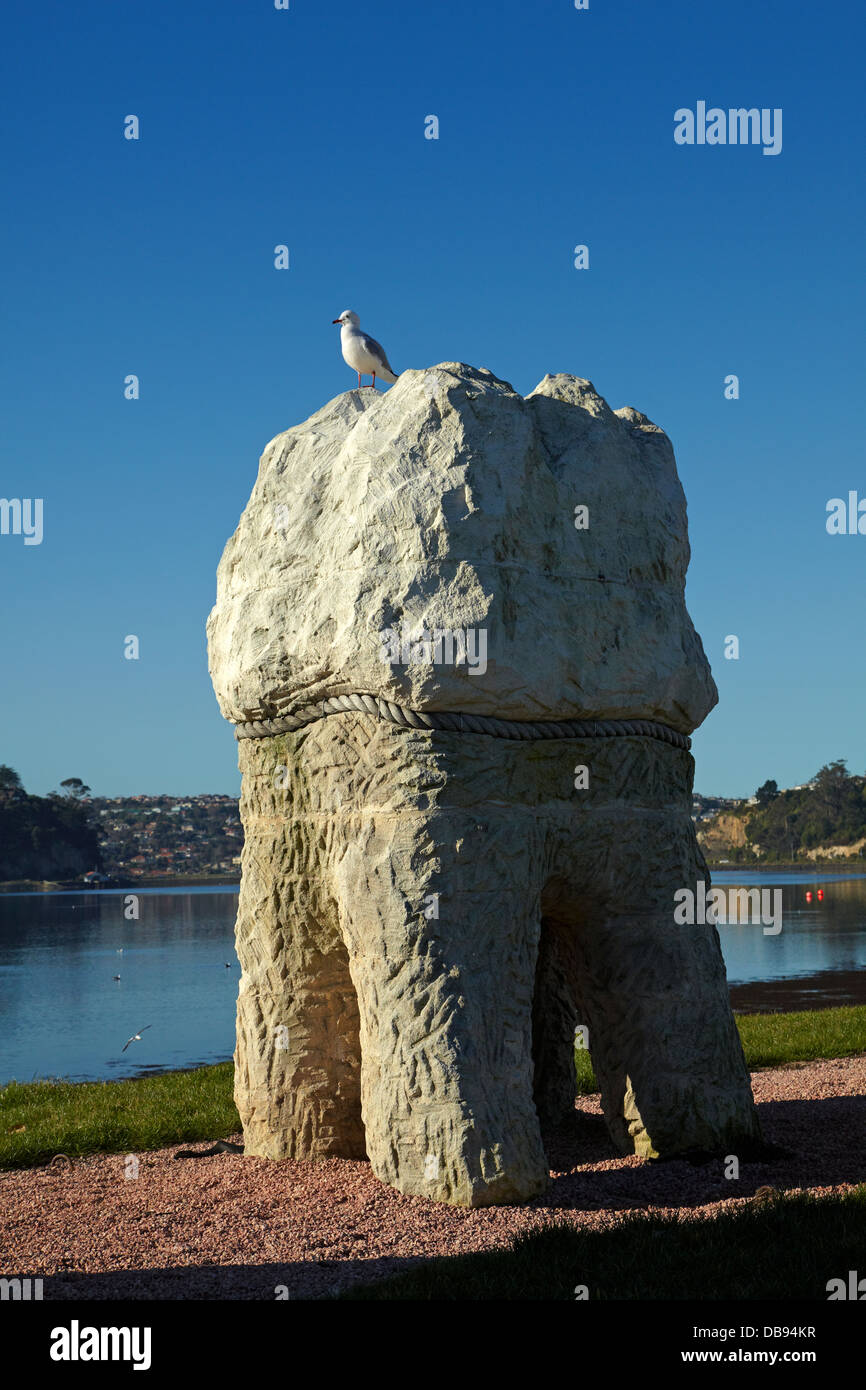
[(136, 1037), (115, 977), (362, 353)]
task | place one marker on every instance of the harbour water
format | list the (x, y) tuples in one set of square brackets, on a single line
[(62, 1012)]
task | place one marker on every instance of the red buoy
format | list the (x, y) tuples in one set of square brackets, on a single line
[(809, 897)]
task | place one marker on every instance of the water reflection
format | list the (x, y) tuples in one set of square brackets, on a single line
[(62, 1013), (818, 957)]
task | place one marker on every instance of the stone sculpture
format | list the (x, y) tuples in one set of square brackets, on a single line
[(451, 631)]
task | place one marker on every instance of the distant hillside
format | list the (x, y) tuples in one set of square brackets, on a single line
[(169, 835), (64, 836), (824, 818)]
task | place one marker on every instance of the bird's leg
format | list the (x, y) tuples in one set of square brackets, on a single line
[(374, 381), (359, 381)]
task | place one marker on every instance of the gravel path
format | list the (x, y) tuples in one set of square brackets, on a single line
[(234, 1227)]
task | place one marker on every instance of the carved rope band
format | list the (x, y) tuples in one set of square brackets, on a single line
[(463, 723)]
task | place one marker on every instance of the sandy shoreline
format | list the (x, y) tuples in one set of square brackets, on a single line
[(234, 1227)]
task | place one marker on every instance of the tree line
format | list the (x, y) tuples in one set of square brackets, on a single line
[(831, 812), (45, 837)]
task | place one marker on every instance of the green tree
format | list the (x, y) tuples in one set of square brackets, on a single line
[(11, 786), (75, 788), (833, 786), (767, 793)]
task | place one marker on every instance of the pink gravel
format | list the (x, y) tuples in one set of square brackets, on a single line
[(230, 1227)]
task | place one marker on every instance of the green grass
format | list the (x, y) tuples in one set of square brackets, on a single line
[(586, 1082), (786, 1248), (773, 1040), (132, 1116), (114, 1116)]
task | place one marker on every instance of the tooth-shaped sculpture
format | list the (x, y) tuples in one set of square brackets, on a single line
[(451, 630)]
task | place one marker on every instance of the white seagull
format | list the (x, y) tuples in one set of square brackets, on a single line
[(136, 1037), (362, 353)]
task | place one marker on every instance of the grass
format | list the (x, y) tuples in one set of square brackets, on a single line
[(787, 1247), (774, 1040), (42, 1118)]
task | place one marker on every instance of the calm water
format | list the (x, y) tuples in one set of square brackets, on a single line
[(62, 1014), (818, 958)]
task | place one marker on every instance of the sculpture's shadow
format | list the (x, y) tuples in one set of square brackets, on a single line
[(808, 1143), (255, 1283)]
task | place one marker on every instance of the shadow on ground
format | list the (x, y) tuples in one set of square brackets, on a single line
[(233, 1282), (818, 1143)]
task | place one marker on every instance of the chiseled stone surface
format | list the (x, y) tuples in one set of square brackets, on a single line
[(450, 502), (425, 917)]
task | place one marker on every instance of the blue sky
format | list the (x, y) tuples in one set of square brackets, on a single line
[(306, 127)]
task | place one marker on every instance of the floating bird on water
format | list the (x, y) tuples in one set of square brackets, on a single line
[(136, 1037), (115, 977), (362, 353)]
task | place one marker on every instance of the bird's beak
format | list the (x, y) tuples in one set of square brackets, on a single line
[(336, 320)]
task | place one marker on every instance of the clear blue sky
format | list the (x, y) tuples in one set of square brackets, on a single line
[(306, 127)]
